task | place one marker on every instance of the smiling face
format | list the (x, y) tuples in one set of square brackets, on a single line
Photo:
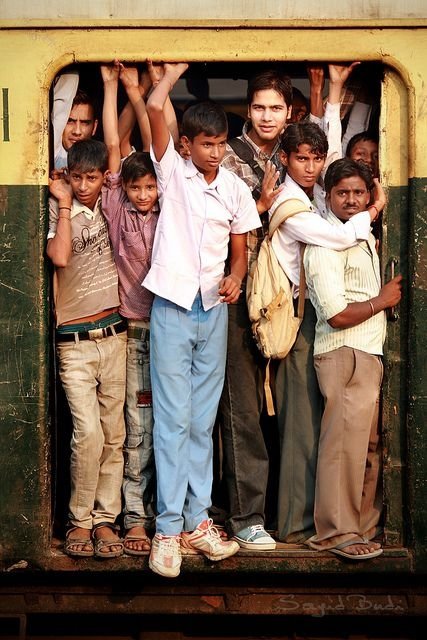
[(86, 185), (206, 152), (81, 125), (142, 192), (304, 166), (268, 113), (366, 151), (348, 197)]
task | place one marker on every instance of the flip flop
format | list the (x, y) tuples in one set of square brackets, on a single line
[(137, 552), (70, 542), (339, 550)]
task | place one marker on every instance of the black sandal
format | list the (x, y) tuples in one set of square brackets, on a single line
[(100, 543)]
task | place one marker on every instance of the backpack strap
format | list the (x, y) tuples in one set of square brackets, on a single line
[(269, 402), (301, 291), (284, 211), (246, 153)]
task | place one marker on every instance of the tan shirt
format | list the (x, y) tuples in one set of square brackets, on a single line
[(89, 283)]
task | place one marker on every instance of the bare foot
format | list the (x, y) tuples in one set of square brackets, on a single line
[(361, 548)]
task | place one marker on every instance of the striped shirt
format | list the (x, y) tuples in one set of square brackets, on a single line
[(336, 279)]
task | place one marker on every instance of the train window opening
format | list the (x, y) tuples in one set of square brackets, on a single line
[(226, 83)]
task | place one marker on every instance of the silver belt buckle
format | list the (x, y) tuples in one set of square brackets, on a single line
[(96, 334)]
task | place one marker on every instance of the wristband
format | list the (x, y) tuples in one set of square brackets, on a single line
[(372, 308)]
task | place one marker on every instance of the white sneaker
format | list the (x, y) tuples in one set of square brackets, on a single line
[(165, 556), (256, 538), (206, 539)]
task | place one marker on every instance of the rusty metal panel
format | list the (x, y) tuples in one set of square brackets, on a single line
[(394, 157), (417, 373), (403, 142), (24, 438)]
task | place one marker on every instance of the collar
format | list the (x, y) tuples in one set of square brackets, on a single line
[(332, 218), (258, 152), (131, 209), (77, 207), (191, 171), (318, 201)]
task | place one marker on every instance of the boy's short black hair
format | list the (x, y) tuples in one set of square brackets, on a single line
[(299, 133), (204, 117), (270, 79), (347, 168), (137, 165), (88, 155), (364, 136)]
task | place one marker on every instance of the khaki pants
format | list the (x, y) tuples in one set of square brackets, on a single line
[(347, 502), (93, 374)]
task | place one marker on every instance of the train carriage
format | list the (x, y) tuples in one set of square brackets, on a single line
[(36, 42)]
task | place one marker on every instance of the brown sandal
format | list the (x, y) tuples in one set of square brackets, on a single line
[(71, 542), (100, 543), (137, 552)]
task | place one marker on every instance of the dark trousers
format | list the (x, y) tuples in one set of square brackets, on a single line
[(299, 412), (245, 457)]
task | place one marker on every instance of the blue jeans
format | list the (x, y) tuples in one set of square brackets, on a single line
[(188, 351), (139, 472)]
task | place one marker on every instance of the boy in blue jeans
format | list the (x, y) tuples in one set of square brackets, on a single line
[(129, 203), (203, 208)]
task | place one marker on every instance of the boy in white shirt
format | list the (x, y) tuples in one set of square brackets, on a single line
[(204, 209)]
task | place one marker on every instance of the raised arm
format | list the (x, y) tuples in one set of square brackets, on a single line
[(155, 72), (110, 76), (316, 77), (338, 76), (136, 92), (156, 106), (63, 95), (127, 118)]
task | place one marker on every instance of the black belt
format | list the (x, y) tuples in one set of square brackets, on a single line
[(92, 334)]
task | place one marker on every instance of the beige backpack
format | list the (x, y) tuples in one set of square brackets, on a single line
[(269, 295)]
